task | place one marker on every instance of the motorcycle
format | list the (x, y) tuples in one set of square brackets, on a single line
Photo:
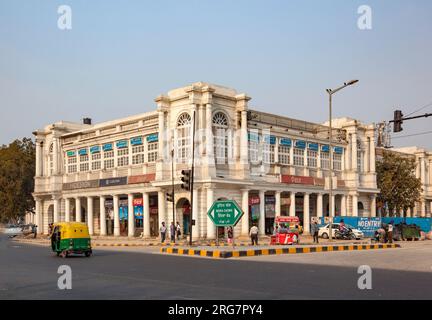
[(346, 234)]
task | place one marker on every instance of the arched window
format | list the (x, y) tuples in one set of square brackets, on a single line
[(183, 137), (360, 208), (220, 127)]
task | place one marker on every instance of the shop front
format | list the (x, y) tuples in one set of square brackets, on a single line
[(138, 215), (270, 211)]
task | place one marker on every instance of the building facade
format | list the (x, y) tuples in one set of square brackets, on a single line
[(115, 175), (423, 160)]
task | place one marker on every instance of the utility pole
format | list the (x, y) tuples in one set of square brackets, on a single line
[(192, 180)]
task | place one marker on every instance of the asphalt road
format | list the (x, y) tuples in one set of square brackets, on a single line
[(30, 272)]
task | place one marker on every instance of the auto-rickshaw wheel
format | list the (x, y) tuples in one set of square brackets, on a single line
[(87, 253), (64, 254)]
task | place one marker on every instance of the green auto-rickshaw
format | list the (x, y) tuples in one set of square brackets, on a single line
[(70, 237)]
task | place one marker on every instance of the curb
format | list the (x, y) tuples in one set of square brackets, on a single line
[(264, 252)]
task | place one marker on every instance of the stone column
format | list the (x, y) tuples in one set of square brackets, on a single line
[(245, 208), (195, 216), (209, 134), (146, 214), (262, 213), (211, 229), (277, 203), (320, 205), (373, 206), (292, 204), (343, 206), (367, 156), (423, 208), (408, 214), (422, 171), (372, 154), (90, 215), (430, 212), (78, 209), (161, 209), (131, 217), (354, 206), (116, 215), (244, 139), (306, 214), (55, 156), (161, 143), (67, 209), (39, 221), (354, 151), (332, 209), (39, 161), (56, 209), (102, 216)]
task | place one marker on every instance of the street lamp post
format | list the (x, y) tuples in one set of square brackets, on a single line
[(330, 93)]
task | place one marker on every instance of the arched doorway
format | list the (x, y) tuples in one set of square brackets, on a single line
[(51, 214), (183, 212), (360, 209)]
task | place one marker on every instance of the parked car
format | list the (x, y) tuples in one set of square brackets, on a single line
[(13, 230), (324, 231)]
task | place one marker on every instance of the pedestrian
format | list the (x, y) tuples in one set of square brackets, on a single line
[(230, 234), (172, 231), (178, 230), (390, 232), (34, 230), (254, 234), (314, 231), (163, 230)]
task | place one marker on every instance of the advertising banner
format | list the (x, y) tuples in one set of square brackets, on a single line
[(113, 182)]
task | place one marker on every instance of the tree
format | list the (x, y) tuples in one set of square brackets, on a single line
[(396, 179), (17, 170)]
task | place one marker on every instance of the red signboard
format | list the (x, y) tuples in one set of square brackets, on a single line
[(144, 178), (254, 200), (296, 179), (138, 202)]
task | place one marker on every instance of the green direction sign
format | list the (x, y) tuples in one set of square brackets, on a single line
[(225, 213)]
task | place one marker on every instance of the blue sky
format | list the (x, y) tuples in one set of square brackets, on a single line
[(120, 55)]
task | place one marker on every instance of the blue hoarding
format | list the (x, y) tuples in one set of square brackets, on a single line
[(285, 142), (153, 137)]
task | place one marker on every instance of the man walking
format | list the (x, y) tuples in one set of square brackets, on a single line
[(163, 230), (178, 230), (390, 232), (314, 231), (254, 234)]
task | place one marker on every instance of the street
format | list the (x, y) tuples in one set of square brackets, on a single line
[(30, 272)]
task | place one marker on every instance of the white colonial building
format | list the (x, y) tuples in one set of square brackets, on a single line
[(115, 175)]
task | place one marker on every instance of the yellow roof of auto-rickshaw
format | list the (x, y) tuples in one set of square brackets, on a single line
[(73, 229)]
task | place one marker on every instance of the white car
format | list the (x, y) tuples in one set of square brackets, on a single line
[(323, 232), (13, 230)]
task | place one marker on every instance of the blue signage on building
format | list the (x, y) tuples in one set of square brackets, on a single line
[(107, 147), (300, 144), (269, 139), (325, 148), (285, 142), (95, 149), (136, 141), (82, 152), (122, 144), (153, 137), (338, 150), (253, 136), (70, 153), (313, 146)]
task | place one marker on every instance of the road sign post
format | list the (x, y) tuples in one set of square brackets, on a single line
[(224, 213)]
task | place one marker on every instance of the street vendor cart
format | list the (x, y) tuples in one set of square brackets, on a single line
[(286, 230)]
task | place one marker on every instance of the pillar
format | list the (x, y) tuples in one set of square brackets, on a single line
[(56, 209), (244, 139), (39, 161), (67, 209), (372, 154), (161, 122), (116, 216), (131, 217), (319, 205), (373, 206), (161, 209), (39, 221), (354, 206), (332, 209), (343, 206), (195, 215), (261, 227), (277, 203), (367, 156), (146, 214), (209, 134), (408, 214), (292, 204), (306, 214), (354, 151), (211, 229), (55, 156), (102, 216), (78, 209), (423, 208), (245, 208), (90, 214)]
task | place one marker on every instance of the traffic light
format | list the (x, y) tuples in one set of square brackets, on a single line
[(186, 179), (397, 121), (169, 197)]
